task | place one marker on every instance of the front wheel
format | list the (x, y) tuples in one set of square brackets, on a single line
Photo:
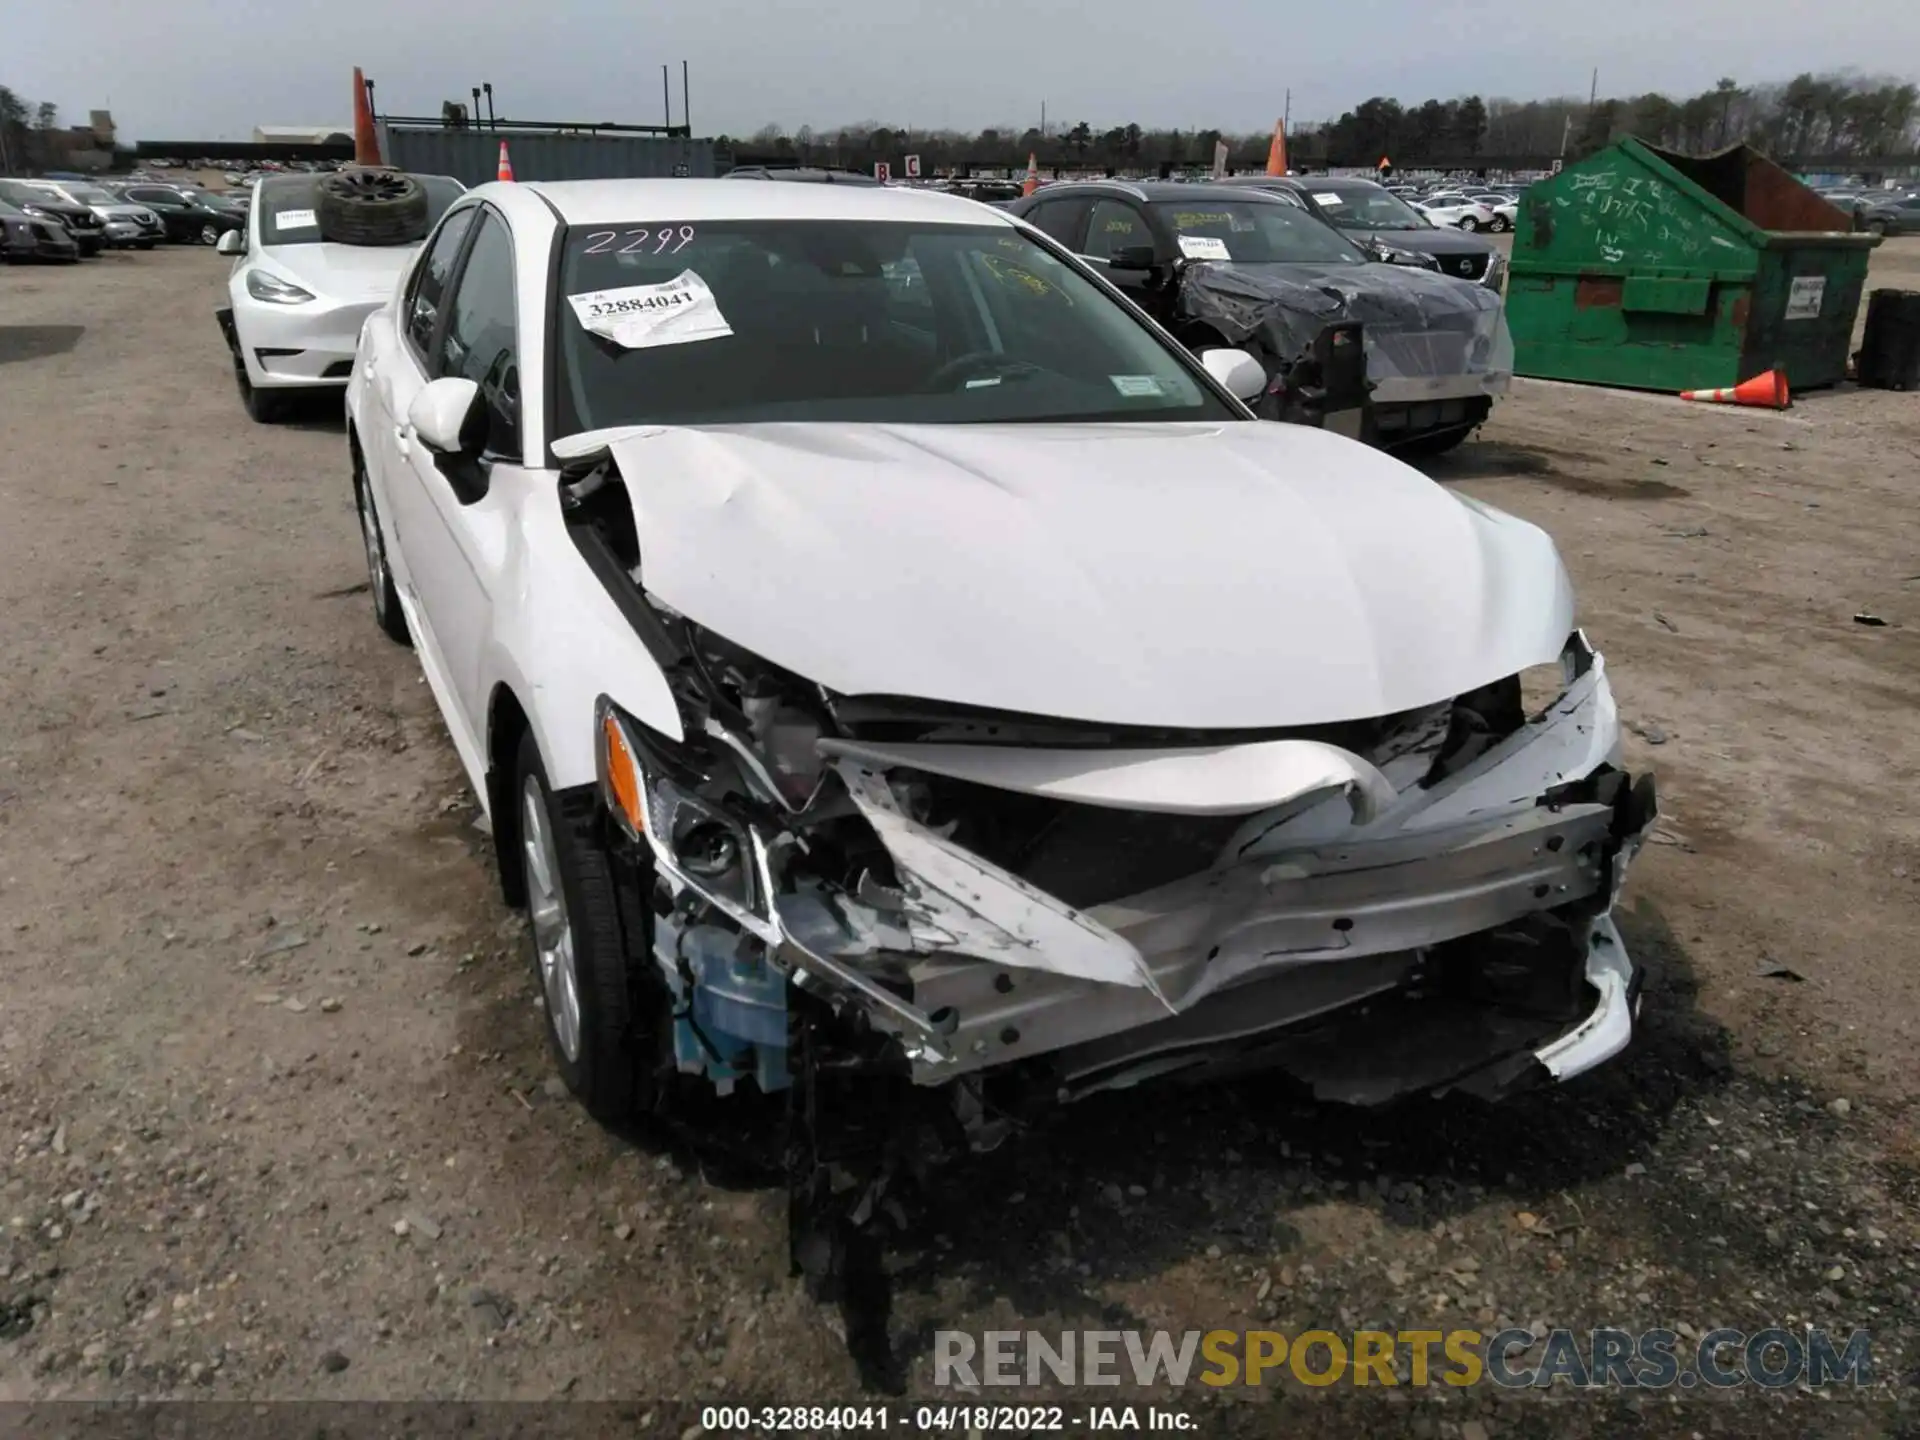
[(579, 954), (264, 407), (1876, 227), (1499, 224), (209, 234), (1470, 224)]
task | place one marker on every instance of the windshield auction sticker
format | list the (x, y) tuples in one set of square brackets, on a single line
[(295, 220), (1203, 247), (679, 311)]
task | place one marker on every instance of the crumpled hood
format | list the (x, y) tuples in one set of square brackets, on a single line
[(1206, 576), (1414, 322)]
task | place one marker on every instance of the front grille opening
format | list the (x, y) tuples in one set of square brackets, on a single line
[(1081, 854)]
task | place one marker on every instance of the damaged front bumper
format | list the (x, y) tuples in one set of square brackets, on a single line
[(1366, 923)]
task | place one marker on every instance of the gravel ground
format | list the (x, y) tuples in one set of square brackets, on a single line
[(277, 1117)]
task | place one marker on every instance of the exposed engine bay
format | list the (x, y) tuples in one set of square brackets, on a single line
[(997, 913), (982, 894)]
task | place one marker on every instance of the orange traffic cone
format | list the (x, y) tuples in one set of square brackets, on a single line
[(1277, 151), (366, 138), (1032, 182), (1768, 391), (506, 165)]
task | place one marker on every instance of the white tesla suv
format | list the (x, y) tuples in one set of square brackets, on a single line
[(299, 292)]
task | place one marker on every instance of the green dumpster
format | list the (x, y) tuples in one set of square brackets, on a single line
[(1646, 269)]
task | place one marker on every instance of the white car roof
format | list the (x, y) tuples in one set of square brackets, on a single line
[(610, 202)]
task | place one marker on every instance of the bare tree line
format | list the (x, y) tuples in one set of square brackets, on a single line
[(1810, 115), (26, 132)]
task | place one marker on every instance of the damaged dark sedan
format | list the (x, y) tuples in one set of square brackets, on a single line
[(1235, 267)]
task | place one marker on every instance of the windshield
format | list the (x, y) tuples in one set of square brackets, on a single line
[(289, 207), (1366, 208), (1257, 233), (697, 323)]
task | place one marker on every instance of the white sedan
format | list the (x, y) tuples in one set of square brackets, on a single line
[(881, 650), (297, 297)]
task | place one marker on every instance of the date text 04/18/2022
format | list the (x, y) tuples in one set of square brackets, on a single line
[(940, 1419)]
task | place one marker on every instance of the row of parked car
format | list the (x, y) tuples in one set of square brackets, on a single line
[(70, 220), (1880, 212)]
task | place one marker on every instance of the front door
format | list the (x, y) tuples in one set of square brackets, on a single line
[(453, 522)]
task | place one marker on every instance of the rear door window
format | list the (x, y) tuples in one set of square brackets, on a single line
[(1061, 219)]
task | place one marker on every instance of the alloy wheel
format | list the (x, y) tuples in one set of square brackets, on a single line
[(552, 929), (376, 548)]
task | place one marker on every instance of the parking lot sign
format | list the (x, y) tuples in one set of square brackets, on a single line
[(913, 167), (882, 171)]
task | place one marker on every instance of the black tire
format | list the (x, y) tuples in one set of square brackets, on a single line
[(387, 613), (611, 1067), (372, 207), (264, 407), (1470, 225), (1499, 224), (209, 235), (1438, 443), (1877, 227)]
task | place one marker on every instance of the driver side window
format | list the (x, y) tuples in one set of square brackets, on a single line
[(480, 341), (429, 286), (1114, 226)]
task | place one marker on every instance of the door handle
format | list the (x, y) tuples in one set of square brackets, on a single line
[(402, 437)]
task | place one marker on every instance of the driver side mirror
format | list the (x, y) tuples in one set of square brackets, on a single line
[(449, 419), (446, 416), (231, 242), (1131, 257)]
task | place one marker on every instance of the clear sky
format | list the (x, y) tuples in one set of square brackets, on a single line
[(213, 69)]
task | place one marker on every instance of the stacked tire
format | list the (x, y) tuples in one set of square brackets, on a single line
[(371, 206)]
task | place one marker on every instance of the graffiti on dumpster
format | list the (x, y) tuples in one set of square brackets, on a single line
[(1631, 210)]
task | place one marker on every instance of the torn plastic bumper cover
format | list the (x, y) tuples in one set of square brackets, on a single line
[(1432, 915), (1427, 337)]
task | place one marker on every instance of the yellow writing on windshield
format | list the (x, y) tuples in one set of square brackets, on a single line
[(1007, 273), (1195, 219)]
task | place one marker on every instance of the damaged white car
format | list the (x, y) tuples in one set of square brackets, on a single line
[(883, 652)]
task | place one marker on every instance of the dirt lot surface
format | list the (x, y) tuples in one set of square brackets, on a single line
[(276, 1114)]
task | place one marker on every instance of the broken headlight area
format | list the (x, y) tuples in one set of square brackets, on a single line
[(742, 891)]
